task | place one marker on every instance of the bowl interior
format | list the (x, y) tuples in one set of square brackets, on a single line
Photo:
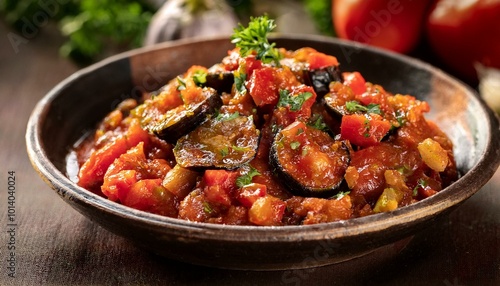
[(73, 108)]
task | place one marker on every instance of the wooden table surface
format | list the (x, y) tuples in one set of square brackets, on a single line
[(56, 245)]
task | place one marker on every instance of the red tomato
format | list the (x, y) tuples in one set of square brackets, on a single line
[(319, 60), (364, 130), (219, 185), (267, 210), (149, 195), (390, 24), (355, 81), (117, 186), (250, 63), (248, 194), (92, 172), (464, 32), (262, 87)]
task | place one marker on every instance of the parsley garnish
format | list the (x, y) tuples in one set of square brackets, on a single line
[(239, 82), (340, 195), (227, 116), (246, 179), (354, 106), (294, 145), (367, 128), (207, 208), (318, 123), (420, 184), (293, 102), (400, 117), (254, 39), (224, 151), (199, 77), (182, 83)]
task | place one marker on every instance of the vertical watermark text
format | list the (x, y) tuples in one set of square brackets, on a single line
[(11, 226)]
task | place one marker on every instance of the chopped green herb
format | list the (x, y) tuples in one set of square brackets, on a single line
[(420, 184), (246, 179), (403, 170), (400, 117), (199, 77), (294, 145), (227, 116), (224, 151), (373, 108), (354, 106), (318, 123), (240, 149), (304, 151), (367, 128), (239, 82), (254, 39), (293, 102), (274, 128), (207, 207), (340, 195), (182, 83), (300, 131)]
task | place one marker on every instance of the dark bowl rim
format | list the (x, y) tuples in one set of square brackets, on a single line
[(453, 195)]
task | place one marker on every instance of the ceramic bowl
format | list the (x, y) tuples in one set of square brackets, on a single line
[(73, 108)]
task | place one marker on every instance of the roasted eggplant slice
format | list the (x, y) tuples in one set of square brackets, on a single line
[(220, 81), (184, 118), (308, 161), (224, 141), (320, 79)]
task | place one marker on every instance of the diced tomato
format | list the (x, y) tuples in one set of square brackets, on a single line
[(319, 60), (130, 160), (267, 210), (136, 134), (426, 192), (194, 207), (219, 185), (265, 83), (355, 81), (92, 171), (142, 194), (117, 185), (248, 194), (250, 63), (364, 130), (305, 110), (288, 112), (262, 88)]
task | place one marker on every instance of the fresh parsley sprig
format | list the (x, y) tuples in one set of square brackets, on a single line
[(246, 178), (354, 106), (254, 39), (294, 102)]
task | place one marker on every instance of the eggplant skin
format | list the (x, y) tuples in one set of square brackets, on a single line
[(297, 187), (221, 142), (320, 79), (222, 82), (184, 119)]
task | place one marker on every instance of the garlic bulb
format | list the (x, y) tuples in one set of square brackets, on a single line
[(178, 19)]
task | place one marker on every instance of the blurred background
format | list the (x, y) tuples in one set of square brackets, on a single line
[(460, 36)]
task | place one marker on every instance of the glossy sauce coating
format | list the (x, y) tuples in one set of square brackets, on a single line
[(270, 148)]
